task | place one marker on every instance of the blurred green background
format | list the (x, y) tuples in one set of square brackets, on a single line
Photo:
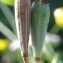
[(9, 46)]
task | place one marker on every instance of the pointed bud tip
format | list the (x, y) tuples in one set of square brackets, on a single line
[(37, 59), (25, 59)]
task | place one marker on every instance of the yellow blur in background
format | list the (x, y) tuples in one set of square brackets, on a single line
[(3, 44), (58, 15), (8, 2)]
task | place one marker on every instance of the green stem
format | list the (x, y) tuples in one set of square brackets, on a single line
[(54, 29)]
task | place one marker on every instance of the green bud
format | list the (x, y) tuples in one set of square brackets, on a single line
[(40, 15)]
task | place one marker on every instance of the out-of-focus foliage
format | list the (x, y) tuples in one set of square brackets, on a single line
[(10, 51)]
